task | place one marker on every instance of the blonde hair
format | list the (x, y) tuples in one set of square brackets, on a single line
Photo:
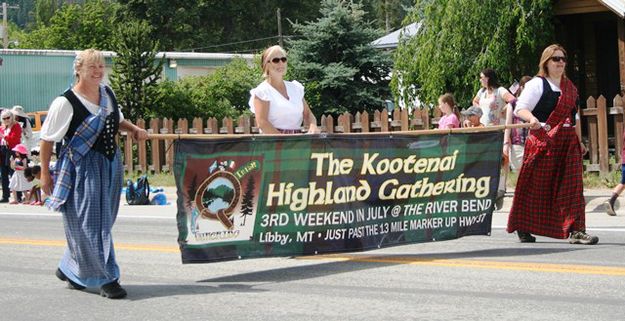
[(544, 59), (266, 57), (85, 57)]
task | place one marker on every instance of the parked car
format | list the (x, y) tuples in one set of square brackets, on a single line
[(36, 121)]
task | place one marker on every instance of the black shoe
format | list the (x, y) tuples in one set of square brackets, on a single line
[(73, 285), (113, 291), (499, 199), (525, 237), (4, 200), (609, 208)]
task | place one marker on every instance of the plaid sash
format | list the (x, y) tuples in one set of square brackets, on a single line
[(84, 138), (543, 139)]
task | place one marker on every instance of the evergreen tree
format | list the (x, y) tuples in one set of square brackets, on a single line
[(74, 26), (247, 204), (136, 69), (459, 38), (336, 62)]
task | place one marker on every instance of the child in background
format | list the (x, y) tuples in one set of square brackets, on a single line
[(451, 116), (33, 174), (18, 182), (473, 115)]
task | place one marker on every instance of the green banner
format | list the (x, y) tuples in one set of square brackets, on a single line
[(305, 194)]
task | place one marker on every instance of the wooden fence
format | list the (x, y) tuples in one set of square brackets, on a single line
[(596, 116), (157, 154)]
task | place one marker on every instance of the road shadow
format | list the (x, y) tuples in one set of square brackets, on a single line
[(351, 262), (139, 292)]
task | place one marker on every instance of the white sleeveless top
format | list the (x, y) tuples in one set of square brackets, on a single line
[(283, 113)]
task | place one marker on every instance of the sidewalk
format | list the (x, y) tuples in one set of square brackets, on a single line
[(596, 216)]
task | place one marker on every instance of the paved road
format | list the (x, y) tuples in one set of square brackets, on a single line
[(473, 278)]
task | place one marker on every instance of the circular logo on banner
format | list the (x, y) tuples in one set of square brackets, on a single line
[(217, 197)]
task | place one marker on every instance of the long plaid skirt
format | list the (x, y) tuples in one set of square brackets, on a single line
[(88, 217), (548, 199)]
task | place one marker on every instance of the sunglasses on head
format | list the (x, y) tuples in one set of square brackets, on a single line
[(558, 58), (277, 60)]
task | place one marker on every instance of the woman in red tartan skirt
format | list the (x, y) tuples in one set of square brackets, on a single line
[(549, 198)]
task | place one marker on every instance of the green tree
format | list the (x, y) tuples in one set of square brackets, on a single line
[(387, 14), (218, 25), (336, 62), (224, 93), (75, 26), (460, 38), (136, 69)]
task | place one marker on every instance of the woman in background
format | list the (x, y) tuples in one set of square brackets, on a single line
[(279, 105)]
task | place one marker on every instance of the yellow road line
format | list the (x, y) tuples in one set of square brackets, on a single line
[(425, 261), (498, 265), (118, 246)]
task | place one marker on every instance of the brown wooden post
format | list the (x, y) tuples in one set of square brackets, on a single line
[(590, 116), (364, 122), (404, 119), (227, 126), (396, 121), (345, 121), (339, 128), (425, 114), (141, 149), (197, 126), (417, 119), (384, 121), (357, 124), (169, 145), (620, 30), (437, 116), (156, 145), (376, 124), (255, 129), (322, 125), (617, 112), (244, 126), (602, 126), (128, 163), (211, 126), (329, 123)]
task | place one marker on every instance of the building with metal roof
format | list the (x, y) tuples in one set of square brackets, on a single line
[(32, 78)]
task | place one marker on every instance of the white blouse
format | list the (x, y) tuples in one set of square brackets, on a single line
[(60, 116), (284, 113)]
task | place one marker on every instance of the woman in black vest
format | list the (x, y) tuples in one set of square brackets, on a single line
[(549, 199), (87, 186)]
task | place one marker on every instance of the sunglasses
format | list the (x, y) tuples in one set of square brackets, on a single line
[(558, 58), (277, 60), (6, 118)]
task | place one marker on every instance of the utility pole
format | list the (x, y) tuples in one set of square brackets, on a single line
[(280, 29), (5, 28)]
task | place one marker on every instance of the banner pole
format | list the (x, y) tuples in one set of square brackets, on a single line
[(408, 132)]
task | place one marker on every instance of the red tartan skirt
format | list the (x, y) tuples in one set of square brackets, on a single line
[(549, 195)]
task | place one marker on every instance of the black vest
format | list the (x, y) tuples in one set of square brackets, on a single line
[(547, 103), (105, 144)]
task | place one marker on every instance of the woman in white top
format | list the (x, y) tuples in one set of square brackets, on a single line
[(279, 105), (89, 175), (492, 98)]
